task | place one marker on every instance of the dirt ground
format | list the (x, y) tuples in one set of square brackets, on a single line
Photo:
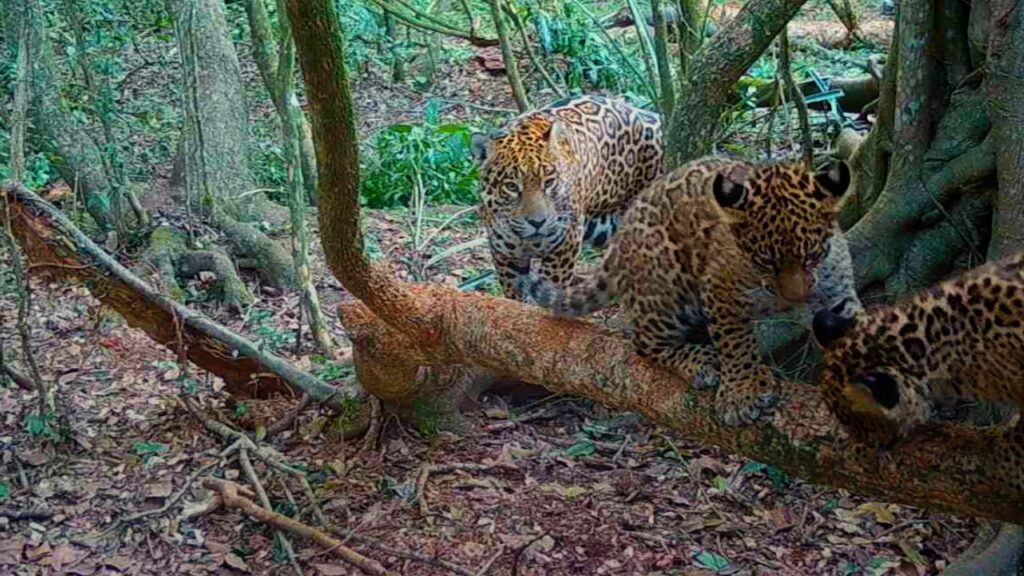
[(547, 486)]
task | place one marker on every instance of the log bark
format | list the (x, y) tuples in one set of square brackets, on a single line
[(397, 328), (53, 244)]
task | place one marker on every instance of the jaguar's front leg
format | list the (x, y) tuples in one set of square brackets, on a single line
[(558, 265), (510, 268), (748, 389)]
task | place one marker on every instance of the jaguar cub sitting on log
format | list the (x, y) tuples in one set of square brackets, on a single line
[(694, 251), (887, 368), (559, 176)]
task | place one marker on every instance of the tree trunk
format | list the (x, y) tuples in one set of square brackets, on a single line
[(267, 59), (216, 138), (398, 328), (511, 66), (715, 69), (54, 131)]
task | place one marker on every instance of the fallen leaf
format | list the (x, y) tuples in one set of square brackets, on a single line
[(39, 552), (234, 561), (160, 489), (880, 510), (10, 550)]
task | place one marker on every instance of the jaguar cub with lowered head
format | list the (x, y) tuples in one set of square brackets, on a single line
[(694, 251), (559, 176), (887, 369)]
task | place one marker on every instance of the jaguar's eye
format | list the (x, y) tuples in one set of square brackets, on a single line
[(510, 188)]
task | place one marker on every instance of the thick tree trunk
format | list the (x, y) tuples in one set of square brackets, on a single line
[(54, 131), (216, 138), (399, 328)]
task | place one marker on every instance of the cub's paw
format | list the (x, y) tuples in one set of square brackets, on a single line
[(746, 398), (707, 377)]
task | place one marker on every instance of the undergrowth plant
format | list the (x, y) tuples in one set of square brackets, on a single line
[(428, 161)]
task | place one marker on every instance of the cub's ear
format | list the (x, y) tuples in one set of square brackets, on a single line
[(729, 194), (829, 327), (479, 146), (835, 179), (883, 388)]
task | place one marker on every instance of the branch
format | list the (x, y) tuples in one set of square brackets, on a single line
[(715, 69), (238, 497), (439, 326), (47, 236), (425, 21)]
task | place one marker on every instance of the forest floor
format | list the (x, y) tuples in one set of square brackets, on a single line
[(566, 486)]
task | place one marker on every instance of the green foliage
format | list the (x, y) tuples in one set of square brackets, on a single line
[(712, 561), (148, 450), (5, 490), (270, 336), (329, 370), (432, 156), (43, 426)]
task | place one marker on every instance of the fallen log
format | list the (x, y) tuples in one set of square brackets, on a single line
[(52, 243)]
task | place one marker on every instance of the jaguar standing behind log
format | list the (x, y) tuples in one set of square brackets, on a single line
[(559, 176)]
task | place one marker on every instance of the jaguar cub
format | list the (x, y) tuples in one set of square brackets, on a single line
[(559, 176), (693, 252), (887, 368)]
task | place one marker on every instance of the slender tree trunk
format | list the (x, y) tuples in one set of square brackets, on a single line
[(102, 102), (290, 126), (797, 98), (668, 88), (397, 61), (511, 66), (265, 53), (19, 121), (715, 70)]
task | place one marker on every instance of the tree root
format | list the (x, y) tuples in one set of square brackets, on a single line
[(236, 496), (995, 552)]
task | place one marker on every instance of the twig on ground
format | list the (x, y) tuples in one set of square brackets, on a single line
[(521, 550), (26, 514), (427, 469), (405, 554), (18, 378), (289, 418), (487, 566), (221, 459), (261, 493), (239, 497)]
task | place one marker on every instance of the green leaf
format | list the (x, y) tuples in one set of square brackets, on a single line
[(5, 490), (143, 448), (580, 449), (721, 484), (752, 468), (848, 569), (712, 561)]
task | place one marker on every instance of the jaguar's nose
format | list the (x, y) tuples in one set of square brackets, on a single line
[(538, 223)]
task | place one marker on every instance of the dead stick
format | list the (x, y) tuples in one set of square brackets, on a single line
[(236, 496), (250, 473)]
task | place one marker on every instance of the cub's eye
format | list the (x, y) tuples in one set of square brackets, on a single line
[(510, 188)]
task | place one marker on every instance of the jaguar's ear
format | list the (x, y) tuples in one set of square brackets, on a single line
[(479, 146), (729, 194), (829, 326), (558, 138), (883, 388), (834, 179)]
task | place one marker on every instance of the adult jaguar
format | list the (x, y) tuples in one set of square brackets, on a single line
[(559, 176)]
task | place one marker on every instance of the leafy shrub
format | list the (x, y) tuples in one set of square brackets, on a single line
[(430, 155)]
